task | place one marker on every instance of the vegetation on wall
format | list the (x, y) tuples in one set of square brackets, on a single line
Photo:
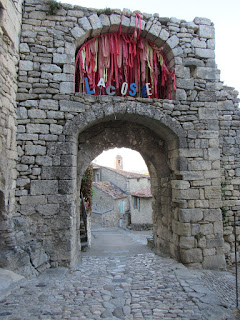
[(86, 186), (53, 7)]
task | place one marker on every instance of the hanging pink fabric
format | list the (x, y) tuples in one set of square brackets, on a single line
[(119, 57)]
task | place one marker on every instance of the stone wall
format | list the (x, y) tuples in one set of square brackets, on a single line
[(116, 178), (229, 115), (183, 141), (106, 210), (138, 184), (18, 250)]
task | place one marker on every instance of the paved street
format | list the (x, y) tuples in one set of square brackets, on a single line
[(120, 278)]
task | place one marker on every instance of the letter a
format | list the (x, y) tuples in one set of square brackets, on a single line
[(101, 82)]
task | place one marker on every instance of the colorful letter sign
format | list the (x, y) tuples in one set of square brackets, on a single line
[(124, 65)]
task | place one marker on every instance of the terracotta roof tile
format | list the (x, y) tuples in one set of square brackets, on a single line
[(143, 193), (109, 189)]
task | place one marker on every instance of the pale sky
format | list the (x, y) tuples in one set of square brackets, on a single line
[(225, 14)]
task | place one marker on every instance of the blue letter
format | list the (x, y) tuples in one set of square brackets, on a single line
[(87, 87), (133, 87), (144, 92)]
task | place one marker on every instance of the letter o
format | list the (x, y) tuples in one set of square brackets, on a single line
[(124, 88)]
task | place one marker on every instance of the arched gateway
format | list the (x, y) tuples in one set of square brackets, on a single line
[(184, 141)]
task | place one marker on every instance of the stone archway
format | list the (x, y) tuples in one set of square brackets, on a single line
[(158, 140)]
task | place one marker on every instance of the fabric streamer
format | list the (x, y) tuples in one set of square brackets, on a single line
[(119, 57)]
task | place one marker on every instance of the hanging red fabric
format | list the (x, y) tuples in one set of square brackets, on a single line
[(120, 57)]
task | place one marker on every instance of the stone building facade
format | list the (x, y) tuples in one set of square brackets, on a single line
[(109, 205), (49, 135), (129, 183), (141, 209)]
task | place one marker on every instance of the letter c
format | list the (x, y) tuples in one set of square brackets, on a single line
[(109, 92)]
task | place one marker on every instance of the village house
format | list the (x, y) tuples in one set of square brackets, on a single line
[(111, 186)]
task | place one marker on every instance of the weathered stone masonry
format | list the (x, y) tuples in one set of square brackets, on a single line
[(190, 143)]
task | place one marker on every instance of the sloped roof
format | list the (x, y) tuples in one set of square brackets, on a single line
[(110, 189), (127, 174), (143, 193)]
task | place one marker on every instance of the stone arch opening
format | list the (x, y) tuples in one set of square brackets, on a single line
[(158, 145)]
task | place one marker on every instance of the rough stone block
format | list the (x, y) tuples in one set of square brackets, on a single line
[(182, 229), (66, 186), (204, 53), (200, 165), (37, 128), (164, 34), (105, 22), (213, 154), (71, 106), (25, 65), (207, 113), (48, 209), (198, 43), (115, 20), (37, 254), (190, 215), (44, 160), (67, 87), (55, 115), (185, 194), (96, 24), (154, 32), (212, 192), (181, 94), (36, 114), (78, 32), (32, 200), (206, 229), (22, 113), (214, 262), (206, 32), (185, 84), (48, 104), (215, 243), (173, 41), (41, 187), (56, 129), (180, 184), (22, 182), (52, 68), (191, 255), (64, 173), (62, 58), (204, 21), (187, 242), (35, 150), (206, 73), (85, 24), (188, 62)]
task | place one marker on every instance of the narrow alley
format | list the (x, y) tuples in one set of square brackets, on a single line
[(121, 278)]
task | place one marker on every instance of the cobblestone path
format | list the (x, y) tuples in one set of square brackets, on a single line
[(127, 286)]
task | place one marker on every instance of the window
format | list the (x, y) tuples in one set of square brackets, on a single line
[(97, 177), (136, 203), (122, 207)]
